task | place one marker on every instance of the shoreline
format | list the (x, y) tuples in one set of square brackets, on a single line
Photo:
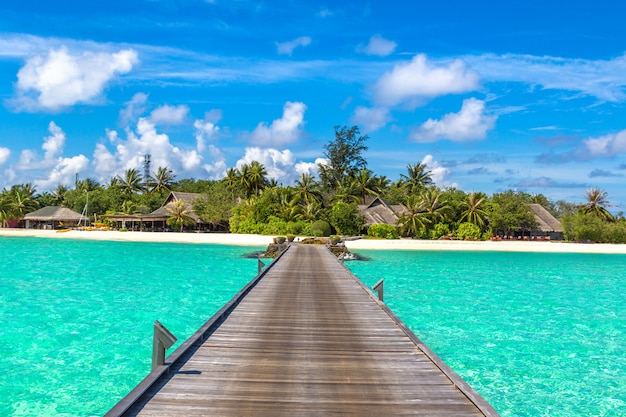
[(352, 245)]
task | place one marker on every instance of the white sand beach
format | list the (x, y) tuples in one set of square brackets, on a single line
[(366, 244)]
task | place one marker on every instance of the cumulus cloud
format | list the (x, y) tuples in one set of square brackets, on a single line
[(282, 131), (61, 79), (606, 146), (415, 81), (470, 123), (439, 174), (278, 164), (207, 129), (53, 168), (146, 139), (135, 107), (371, 119), (378, 45), (169, 115), (287, 48), (5, 154)]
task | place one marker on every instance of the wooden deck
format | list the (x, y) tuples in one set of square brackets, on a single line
[(305, 339)]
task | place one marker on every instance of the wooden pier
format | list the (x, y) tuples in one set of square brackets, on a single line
[(305, 338)]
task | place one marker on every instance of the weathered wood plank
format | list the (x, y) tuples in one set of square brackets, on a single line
[(309, 339)]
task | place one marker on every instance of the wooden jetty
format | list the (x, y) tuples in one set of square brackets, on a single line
[(305, 338)]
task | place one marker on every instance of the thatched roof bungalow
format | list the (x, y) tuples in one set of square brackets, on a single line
[(378, 211), (156, 221), (51, 217), (547, 224)]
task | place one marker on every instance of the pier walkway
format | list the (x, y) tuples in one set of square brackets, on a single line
[(305, 339)]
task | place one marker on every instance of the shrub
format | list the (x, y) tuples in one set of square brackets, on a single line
[(345, 219), (320, 228), (439, 230), (383, 231), (468, 231)]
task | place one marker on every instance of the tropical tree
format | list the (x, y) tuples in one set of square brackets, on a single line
[(161, 181), (347, 193), (257, 177), (179, 215), (415, 219), (473, 211), (417, 178), (433, 204), (6, 208), (344, 156), (366, 184), (131, 183), (232, 178), (596, 202), (307, 189), (22, 200), (59, 195)]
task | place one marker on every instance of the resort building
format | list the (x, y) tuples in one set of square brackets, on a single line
[(379, 211), (52, 217)]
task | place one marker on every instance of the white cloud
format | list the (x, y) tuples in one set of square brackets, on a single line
[(129, 153), (53, 144), (378, 45), (286, 48), (134, 108), (169, 115), (282, 131), (439, 174), (61, 79), (606, 146), (420, 79), (278, 164), (371, 119), (470, 123), (64, 172), (310, 168), (207, 129), (5, 154)]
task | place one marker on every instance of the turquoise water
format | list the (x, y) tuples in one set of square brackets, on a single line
[(535, 334), (77, 316)]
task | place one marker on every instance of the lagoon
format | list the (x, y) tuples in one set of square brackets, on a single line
[(534, 333)]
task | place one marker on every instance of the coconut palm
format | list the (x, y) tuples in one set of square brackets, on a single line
[(179, 215), (161, 181), (22, 200), (59, 195), (87, 185), (596, 202), (257, 177), (414, 220), (434, 206), (366, 184), (131, 183), (346, 192), (473, 212), (232, 178), (418, 177), (308, 189)]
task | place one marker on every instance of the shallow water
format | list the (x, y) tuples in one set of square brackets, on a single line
[(78, 315), (535, 334)]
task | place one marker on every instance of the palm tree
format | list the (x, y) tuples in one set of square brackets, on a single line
[(366, 184), (346, 192), (257, 177), (131, 183), (87, 185), (232, 178), (414, 219), (179, 215), (161, 181), (22, 200), (59, 195), (418, 177), (6, 209), (431, 201), (473, 212), (307, 189), (596, 202)]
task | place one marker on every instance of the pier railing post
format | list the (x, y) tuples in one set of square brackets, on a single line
[(260, 264), (163, 339), (380, 288)]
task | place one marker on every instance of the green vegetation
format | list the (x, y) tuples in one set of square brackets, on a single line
[(247, 201)]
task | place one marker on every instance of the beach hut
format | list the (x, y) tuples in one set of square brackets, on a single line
[(156, 221), (548, 226), (51, 217), (379, 211)]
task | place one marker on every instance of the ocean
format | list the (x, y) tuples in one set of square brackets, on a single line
[(535, 334)]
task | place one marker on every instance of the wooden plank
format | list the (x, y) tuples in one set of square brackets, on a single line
[(309, 339)]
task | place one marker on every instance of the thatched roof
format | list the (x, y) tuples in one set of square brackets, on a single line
[(173, 197), (546, 222), (378, 211), (53, 213)]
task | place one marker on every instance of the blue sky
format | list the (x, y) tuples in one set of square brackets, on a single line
[(492, 96)]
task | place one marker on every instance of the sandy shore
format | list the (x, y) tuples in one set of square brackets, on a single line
[(369, 244)]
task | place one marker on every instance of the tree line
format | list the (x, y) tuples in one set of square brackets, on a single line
[(246, 200)]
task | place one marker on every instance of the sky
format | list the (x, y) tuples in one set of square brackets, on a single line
[(492, 96)]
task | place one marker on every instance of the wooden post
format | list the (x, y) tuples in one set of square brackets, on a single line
[(260, 264), (161, 341), (379, 286)]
